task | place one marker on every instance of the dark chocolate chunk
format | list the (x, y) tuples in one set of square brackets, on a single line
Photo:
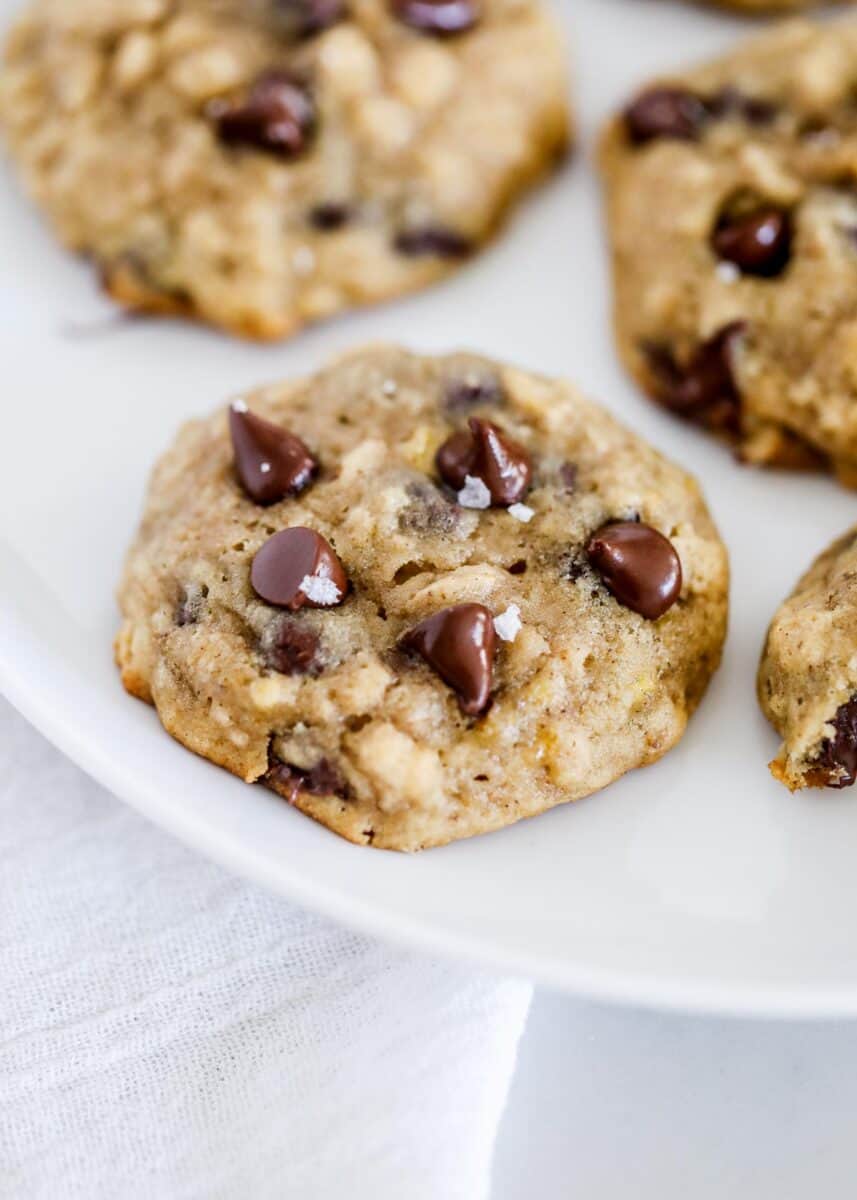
[(297, 567), (433, 240), (665, 112), (838, 756), (758, 243), (639, 566), (705, 389), (292, 648), (270, 462), (458, 644), (277, 115), (322, 779), (488, 454), (329, 217)]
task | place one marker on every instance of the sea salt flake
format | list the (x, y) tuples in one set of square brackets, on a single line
[(265, 467), (508, 625), (727, 272), (239, 406), (320, 590), (522, 512), (389, 387), (474, 494)]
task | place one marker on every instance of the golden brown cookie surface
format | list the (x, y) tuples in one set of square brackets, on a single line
[(262, 164), (478, 596)]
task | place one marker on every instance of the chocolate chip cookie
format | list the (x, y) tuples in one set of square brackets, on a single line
[(261, 164), (422, 598), (732, 204), (808, 673)]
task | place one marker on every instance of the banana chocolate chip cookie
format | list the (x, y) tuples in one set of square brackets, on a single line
[(808, 673), (422, 598), (261, 164), (732, 201)]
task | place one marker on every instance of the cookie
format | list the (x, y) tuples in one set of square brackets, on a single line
[(733, 224), (422, 598), (808, 673), (261, 164)]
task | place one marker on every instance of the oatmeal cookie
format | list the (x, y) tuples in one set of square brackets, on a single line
[(261, 164), (422, 598), (808, 673), (733, 220)]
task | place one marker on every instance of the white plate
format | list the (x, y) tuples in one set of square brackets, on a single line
[(697, 883)]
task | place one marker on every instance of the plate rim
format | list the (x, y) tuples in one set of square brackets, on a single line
[(659, 992)]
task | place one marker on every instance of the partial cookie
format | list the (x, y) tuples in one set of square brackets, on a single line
[(733, 221), (422, 598), (261, 164), (808, 673)]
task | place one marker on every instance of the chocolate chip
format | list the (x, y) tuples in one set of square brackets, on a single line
[(486, 453), (322, 779), (838, 756), (567, 474), (433, 240), (303, 18), (270, 462), (704, 390), (758, 243), (639, 566), (458, 644), (277, 115), (518, 568), (665, 112), (731, 102), (330, 216), (439, 17), (474, 389), (297, 567), (292, 648)]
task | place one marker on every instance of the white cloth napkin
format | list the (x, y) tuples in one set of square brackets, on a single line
[(168, 1031)]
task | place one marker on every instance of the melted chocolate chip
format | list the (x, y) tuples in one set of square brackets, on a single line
[(838, 756), (270, 462), (458, 644), (639, 566), (292, 649), (297, 567), (277, 115), (486, 453), (434, 240), (322, 779), (704, 390), (303, 18), (330, 216), (439, 17), (518, 568), (665, 112), (472, 390), (758, 243)]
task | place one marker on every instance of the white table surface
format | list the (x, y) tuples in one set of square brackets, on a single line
[(612, 1104)]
